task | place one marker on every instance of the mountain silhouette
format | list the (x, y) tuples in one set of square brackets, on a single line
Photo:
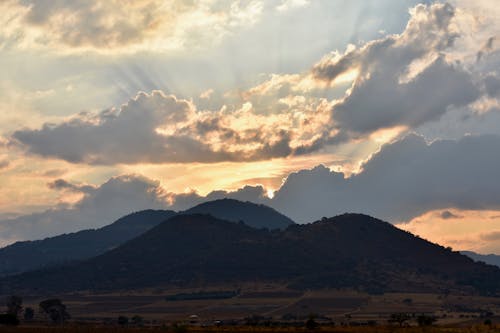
[(347, 251), (253, 215), (28, 255)]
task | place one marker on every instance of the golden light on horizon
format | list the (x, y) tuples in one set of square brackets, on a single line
[(472, 230), (205, 177)]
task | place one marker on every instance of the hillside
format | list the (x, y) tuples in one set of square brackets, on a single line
[(351, 250), (254, 215), (29, 255)]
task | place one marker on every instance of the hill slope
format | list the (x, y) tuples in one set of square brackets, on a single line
[(29, 255), (254, 215), (350, 250)]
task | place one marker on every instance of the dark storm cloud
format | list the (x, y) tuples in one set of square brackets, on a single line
[(404, 180)]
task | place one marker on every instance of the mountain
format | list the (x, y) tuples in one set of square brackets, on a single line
[(347, 251), (254, 215), (29, 255), (490, 259)]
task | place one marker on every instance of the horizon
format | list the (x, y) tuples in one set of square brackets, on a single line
[(314, 108)]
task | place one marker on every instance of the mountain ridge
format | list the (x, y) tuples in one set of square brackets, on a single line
[(252, 214), (347, 251), (490, 259), (27, 255)]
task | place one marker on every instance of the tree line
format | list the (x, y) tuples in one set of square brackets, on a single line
[(53, 310)]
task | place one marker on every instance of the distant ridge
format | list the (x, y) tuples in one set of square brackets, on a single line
[(28, 255), (490, 259), (253, 215), (347, 251)]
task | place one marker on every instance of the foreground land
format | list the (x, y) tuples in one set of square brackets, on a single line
[(271, 305), (379, 329)]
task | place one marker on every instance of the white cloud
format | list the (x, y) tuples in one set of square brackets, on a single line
[(291, 4), (123, 26)]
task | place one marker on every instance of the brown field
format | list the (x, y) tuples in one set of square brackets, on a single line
[(378, 329), (276, 305)]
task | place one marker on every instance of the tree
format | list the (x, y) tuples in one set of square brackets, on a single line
[(311, 324), (8, 319), (401, 318), (137, 320), (14, 305), (425, 320), (122, 321), (55, 310), (29, 314)]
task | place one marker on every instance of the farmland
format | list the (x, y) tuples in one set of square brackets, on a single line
[(272, 305)]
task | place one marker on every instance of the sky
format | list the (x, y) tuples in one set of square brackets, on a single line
[(313, 107)]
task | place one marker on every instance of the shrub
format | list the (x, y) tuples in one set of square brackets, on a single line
[(122, 321), (9, 319)]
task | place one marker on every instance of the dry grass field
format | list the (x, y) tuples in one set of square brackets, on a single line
[(378, 329), (273, 305)]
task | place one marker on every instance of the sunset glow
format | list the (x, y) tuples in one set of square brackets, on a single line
[(314, 108)]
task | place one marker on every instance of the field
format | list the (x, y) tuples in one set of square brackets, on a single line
[(385, 329), (271, 305)]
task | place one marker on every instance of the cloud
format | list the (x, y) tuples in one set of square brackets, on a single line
[(399, 83), (492, 85), (61, 184), (446, 215), (475, 230), (122, 26), (99, 24), (291, 4), (183, 201), (403, 180), (159, 128), (403, 80), (4, 164), (491, 236), (99, 206), (103, 204)]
